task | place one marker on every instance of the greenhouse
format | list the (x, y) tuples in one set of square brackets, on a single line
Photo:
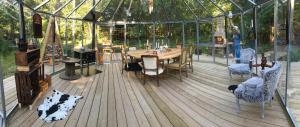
[(150, 63)]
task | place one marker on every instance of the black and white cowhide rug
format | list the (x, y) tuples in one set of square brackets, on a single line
[(57, 106)]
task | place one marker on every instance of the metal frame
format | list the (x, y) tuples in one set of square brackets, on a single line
[(2, 96), (63, 6), (218, 7), (191, 10), (197, 21), (205, 9), (42, 4), (74, 9)]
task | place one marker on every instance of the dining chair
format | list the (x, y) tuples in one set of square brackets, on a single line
[(124, 59), (151, 67), (181, 64), (191, 50)]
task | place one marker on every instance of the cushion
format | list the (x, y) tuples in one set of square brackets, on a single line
[(173, 65), (239, 68), (153, 72), (250, 90)]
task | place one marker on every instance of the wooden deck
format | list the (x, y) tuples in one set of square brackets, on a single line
[(115, 99)]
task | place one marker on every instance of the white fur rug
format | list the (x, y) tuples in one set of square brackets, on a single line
[(57, 106)]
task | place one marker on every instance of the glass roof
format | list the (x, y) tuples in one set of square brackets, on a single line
[(142, 10)]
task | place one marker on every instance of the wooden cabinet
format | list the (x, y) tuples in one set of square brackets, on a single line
[(29, 76), (27, 84)]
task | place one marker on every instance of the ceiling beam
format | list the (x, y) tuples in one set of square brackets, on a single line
[(40, 5), (74, 9), (205, 9), (191, 10), (63, 6), (235, 4), (119, 5), (252, 2), (215, 4)]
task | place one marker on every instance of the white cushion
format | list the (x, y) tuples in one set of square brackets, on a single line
[(153, 72), (239, 68)]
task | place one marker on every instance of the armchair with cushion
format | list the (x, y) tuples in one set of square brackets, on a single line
[(259, 89), (151, 67), (245, 63)]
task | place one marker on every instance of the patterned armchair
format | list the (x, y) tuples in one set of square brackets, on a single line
[(244, 67), (259, 89)]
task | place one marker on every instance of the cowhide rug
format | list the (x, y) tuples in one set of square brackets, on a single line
[(57, 106)]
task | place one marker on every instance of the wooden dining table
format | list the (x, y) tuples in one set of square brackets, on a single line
[(165, 55)]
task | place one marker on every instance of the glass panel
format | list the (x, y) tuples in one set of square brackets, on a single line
[(83, 10), (282, 47), (293, 90), (205, 45), (133, 36)]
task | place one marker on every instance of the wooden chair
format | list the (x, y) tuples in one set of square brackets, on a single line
[(191, 51), (124, 59), (179, 65), (151, 67)]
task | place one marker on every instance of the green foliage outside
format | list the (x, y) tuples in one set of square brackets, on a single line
[(137, 35)]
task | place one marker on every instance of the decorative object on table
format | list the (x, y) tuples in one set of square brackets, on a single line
[(180, 64), (245, 65), (57, 106), (263, 63), (259, 89), (151, 67), (30, 78)]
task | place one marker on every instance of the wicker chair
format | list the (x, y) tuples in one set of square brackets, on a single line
[(259, 89), (181, 64), (245, 65), (151, 67)]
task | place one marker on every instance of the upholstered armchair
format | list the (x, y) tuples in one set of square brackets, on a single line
[(259, 89), (244, 66), (151, 67)]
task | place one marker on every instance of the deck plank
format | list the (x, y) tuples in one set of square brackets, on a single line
[(128, 108), (102, 118), (121, 117), (73, 118), (112, 114), (115, 99)]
